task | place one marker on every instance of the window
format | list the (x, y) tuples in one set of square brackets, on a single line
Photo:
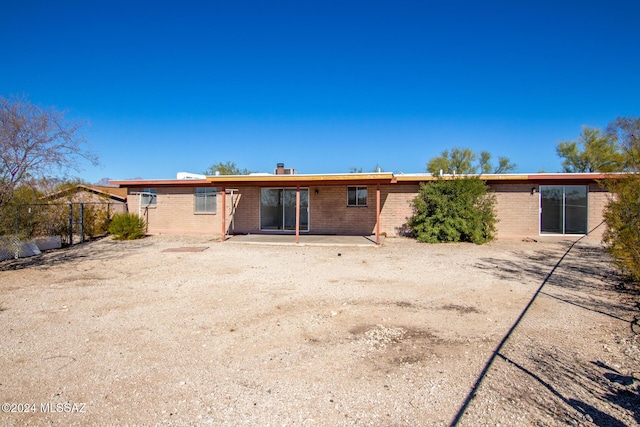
[(564, 209), (205, 200), (356, 196), (148, 197), (278, 209)]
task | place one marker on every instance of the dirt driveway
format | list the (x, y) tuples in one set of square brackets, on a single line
[(127, 333)]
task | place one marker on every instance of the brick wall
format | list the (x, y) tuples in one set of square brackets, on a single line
[(328, 211), (397, 208), (598, 200), (517, 210), (247, 210), (174, 212)]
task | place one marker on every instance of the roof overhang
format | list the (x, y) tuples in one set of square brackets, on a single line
[(302, 179), (268, 180), (508, 177), (159, 182)]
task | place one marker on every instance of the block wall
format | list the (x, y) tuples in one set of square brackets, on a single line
[(397, 208), (175, 212), (598, 200), (518, 210), (246, 218), (328, 211), (516, 207)]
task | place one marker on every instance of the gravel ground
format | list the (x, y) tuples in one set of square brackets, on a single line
[(127, 333)]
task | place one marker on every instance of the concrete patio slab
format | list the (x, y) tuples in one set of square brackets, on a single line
[(305, 240)]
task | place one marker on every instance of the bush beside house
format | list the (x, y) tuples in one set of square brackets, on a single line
[(454, 210), (127, 226), (622, 216)]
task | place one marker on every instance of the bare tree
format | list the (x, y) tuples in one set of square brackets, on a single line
[(35, 142)]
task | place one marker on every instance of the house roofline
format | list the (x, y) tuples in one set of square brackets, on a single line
[(265, 179), (421, 177), (355, 178), (101, 190), (158, 182)]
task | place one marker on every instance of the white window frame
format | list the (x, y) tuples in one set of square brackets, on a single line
[(149, 197), (207, 193), (357, 188)]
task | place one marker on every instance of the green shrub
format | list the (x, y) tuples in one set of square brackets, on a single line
[(96, 220), (454, 210), (127, 226), (622, 216)]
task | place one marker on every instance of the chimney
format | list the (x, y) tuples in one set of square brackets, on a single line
[(280, 169)]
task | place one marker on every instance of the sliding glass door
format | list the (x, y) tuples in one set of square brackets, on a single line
[(278, 209), (563, 209)]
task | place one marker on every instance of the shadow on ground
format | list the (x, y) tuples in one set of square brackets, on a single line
[(556, 384), (585, 279), (574, 391), (101, 249)]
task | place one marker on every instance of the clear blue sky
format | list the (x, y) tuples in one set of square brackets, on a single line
[(323, 86)]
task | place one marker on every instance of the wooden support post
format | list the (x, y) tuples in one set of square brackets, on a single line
[(224, 215), (378, 214), (298, 214)]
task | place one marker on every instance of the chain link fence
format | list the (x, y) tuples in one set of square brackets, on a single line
[(71, 223), (74, 222)]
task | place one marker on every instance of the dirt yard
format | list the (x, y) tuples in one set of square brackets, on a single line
[(126, 333)]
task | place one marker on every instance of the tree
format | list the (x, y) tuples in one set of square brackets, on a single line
[(454, 210), (41, 208), (226, 168), (462, 161), (11, 219), (594, 151), (35, 142), (622, 213), (622, 216), (458, 161), (504, 165), (485, 162), (625, 131)]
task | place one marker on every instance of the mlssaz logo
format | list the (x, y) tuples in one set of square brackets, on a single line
[(63, 407)]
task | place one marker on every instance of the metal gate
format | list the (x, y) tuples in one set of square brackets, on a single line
[(74, 222)]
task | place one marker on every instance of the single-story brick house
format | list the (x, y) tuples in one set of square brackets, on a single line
[(527, 205)]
